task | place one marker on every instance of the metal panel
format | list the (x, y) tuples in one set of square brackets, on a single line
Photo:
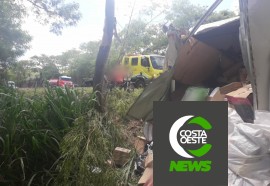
[(255, 41)]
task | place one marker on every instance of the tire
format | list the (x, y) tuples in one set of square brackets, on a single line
[(140, 84)]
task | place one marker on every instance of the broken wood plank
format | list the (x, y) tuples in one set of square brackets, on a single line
[(139, 144), (121, 156)]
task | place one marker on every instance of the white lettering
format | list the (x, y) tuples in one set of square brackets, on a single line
[(193, 136)]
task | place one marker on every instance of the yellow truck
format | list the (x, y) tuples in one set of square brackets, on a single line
[(143, 68)]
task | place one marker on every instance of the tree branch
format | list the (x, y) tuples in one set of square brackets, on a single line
[(40, 7)]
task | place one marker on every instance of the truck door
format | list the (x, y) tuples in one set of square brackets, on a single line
[(125, 61), (135, 66), (146, 68)]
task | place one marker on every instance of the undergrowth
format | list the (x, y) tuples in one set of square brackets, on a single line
[(119, 101), (57, 138), (85, 151)]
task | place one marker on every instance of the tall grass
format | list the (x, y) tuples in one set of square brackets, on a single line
[(85, 151), (31, 131), (119, 101), (57, 138), (87, 147)]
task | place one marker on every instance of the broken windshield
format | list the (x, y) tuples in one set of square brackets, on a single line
[(157, 62)]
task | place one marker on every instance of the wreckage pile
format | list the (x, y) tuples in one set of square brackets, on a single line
[(210, 66), (249, 144)]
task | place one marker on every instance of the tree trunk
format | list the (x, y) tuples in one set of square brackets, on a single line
[(103, 54)]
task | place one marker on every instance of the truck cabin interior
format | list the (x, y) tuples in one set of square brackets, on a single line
[(212, 58)]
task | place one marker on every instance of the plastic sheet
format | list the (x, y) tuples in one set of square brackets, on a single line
[(249, 150)]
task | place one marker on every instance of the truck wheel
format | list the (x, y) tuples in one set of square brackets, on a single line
[(140, 84)]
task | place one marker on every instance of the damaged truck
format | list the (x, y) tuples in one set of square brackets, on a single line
[(223, 61)]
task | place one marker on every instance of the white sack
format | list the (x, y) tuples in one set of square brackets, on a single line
[(249, 150)]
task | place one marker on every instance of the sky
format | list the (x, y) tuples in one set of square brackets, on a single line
[(90, 27)]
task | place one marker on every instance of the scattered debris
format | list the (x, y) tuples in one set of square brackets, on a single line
[(121, 156), (215, 58), (139, 165), (96, 170), (230, 87), (196, 94), (216, 95), (242, 92), (139, 144), (110, 163), (147, 176), (242, 101), (140, 161)]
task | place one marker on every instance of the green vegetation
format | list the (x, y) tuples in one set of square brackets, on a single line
[(54, 136), (142, 35), (85, 151), (14, 41), (119, 101)]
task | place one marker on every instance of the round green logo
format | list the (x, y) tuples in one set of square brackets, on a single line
[(190, 136)]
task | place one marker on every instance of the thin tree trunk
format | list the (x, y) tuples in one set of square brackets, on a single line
[(103, 54)]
